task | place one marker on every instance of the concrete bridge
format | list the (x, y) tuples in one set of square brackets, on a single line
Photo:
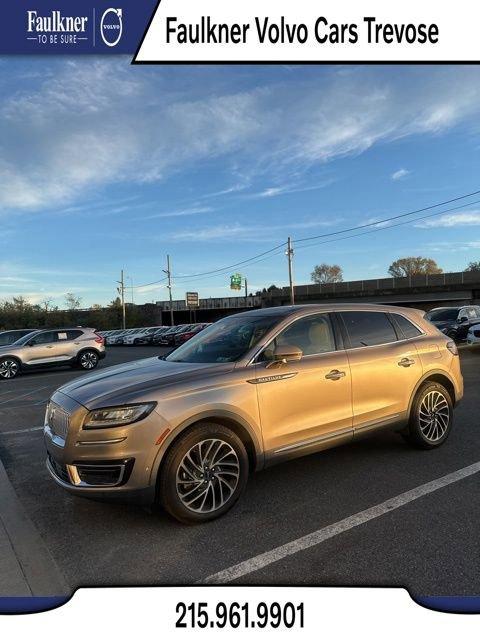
[(423, 292)]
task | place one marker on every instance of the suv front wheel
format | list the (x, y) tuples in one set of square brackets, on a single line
[(204, 474), (431, 416)]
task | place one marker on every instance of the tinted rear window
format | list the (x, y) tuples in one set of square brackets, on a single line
[(368, 328), (408, 329)]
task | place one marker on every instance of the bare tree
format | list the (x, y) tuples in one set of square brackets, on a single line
[(325, 273), (413, 266), (73, 301), (473, 266)]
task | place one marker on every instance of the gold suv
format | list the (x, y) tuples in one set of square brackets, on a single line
[(250, 390)]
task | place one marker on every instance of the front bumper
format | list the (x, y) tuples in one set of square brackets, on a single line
[(105, 464)]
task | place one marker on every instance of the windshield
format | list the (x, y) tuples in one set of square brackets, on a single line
[(26, 338), (448, 313), (224, 341)]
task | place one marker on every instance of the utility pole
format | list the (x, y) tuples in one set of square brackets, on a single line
[(168, 271), (121, 291), (289, 254), (246, 293)]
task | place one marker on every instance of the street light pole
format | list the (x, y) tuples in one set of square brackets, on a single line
[(246, 293), (289, 254)]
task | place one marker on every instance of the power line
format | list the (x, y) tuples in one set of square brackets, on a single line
[(231, 266), (401, 215), (398, 224)]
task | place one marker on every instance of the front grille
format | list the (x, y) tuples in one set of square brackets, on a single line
[(60, 470), (57, 420)]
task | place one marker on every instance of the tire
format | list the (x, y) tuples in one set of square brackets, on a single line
[(431, 417), (9, 368), (215, 485), (87, 360)]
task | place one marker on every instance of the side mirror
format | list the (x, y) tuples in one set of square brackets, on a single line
[(285, 353), (463, 319)]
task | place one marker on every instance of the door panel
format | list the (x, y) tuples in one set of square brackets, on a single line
[(383, 380), (307, 399), (385, 368), (302, 403)]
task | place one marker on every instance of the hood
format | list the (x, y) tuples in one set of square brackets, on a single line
[(123, 382)]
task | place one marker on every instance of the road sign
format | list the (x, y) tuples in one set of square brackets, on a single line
[(236, 281), (191, 298)]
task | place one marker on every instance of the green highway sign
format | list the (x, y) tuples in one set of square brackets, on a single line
[(236, 281)]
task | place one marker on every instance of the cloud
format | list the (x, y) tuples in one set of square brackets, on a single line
[(271, 192), (87, 124), (464, 219), (179, 213), (400, 174), (245, 232)]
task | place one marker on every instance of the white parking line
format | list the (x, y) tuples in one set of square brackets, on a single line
[(332, 530), (15, 431), (29, 393)]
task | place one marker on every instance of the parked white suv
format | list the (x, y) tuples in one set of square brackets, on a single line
[(75, 346)]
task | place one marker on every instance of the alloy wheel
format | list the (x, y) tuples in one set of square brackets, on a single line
[(8, 368), (208, 475), (88, 360), (434, 416)]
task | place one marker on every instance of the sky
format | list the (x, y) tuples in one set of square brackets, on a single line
[(105, 166)]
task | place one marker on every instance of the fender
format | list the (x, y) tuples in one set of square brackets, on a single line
[(205, 415), (426, 376)]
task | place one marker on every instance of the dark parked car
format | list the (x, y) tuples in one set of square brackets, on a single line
[(9, 337), (158, 334), (184, 335), (455, 321), (167, 339)]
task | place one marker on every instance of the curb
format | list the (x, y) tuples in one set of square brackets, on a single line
[(30, 569)]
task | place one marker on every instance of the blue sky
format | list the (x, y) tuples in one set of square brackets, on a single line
[(104, 165)]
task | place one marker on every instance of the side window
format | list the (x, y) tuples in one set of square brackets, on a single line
[(44, 338), (6, 338), (313, 335), (72, 334), (471, 313), (368, 328), (408, 329)]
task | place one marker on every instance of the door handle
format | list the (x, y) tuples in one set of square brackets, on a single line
[(405, 362), (335, 374), (50, 346)]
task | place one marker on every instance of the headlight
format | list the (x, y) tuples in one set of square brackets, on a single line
[(117, 416)]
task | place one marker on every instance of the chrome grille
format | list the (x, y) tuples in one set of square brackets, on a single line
[(58, 420)]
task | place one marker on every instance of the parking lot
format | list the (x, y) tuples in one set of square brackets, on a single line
[(430, 545)]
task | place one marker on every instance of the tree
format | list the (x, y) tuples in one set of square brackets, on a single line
[(405, 267), (73, 301), (473, 266), (324, 273), (46, 304)]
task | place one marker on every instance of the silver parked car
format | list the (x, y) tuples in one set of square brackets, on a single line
[(76, 346)]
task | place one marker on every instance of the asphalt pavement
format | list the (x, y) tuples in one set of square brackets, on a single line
[(428, 544)]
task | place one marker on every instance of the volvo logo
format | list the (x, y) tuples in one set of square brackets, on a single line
[(111, 26)]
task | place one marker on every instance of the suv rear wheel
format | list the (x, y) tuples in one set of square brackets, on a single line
[(9, 368), (203, 474), (87, 360), (431, 416)]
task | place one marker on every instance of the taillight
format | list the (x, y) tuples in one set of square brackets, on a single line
[(99, 339), (452, 347)]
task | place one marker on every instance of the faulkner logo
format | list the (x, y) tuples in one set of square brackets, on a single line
[(111, 27), (56, 28)]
